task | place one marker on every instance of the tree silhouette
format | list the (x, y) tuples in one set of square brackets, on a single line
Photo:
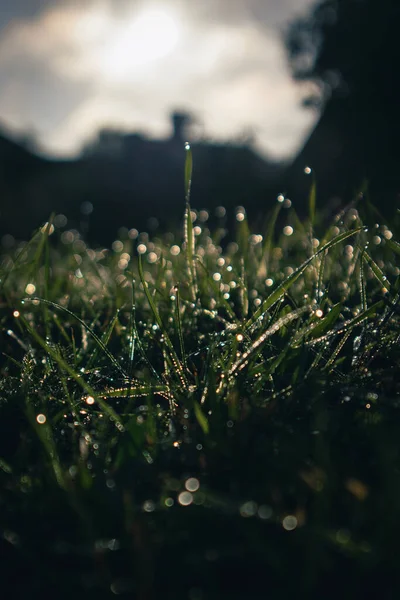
[(348, 52)]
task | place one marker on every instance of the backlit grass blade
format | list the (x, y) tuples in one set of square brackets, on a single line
[(176, 363), (201, 418), (71, 372), (46, 437), (5, 467), (383, 280), (363, 290), (243, 289), (285, 285), (312, 201), (132, 330), (105, 338), (320, 291), (337, 350), (179, 327), (259, 342), (86, 327), (188, 171), (350, 324), (269, 236), (327, 322), (188, 232), (393, 245), (242, 237), (136, 391)]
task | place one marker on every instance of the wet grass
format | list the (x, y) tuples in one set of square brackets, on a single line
[(183, 417)]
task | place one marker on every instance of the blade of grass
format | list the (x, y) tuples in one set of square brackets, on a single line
[(105, 338), (288, 282), (45, 435), (363, 290), (312, 201), (86, 327), (201, 418), (269, 236), (68, 369), (188, 232), (259, 342), (176, 363), (179, 327), (383, 280)]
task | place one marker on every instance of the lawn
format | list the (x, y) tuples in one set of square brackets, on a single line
[(203, 414)]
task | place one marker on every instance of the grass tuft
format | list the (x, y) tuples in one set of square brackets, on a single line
[(184, 419)]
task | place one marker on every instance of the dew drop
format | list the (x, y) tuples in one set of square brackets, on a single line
[(289, 523), (185, 498), (248, 509), (149, 506), (192, 484)]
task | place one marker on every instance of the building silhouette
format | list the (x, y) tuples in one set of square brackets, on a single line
[(124, 179)]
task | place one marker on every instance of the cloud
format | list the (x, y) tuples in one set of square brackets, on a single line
[(66, 72)]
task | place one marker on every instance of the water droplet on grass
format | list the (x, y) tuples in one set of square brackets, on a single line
[(149, 506), (185, 498), (192, 484), (289, 523), (265, 512), (248, 509)]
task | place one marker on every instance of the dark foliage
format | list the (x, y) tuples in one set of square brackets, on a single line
[(348, 52)]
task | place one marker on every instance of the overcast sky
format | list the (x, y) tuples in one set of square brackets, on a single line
[(69, 67)]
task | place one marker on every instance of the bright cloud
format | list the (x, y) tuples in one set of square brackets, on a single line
[(92, 66)]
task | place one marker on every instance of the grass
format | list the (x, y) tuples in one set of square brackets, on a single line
[(186, 418)]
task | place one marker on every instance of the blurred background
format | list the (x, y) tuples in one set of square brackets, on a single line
[(98, 97)]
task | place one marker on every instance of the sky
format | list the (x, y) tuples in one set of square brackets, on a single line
[(68, 68)]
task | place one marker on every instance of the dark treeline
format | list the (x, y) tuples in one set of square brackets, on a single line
[(348, 53)]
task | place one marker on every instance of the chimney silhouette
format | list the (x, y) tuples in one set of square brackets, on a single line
[(179, 122)]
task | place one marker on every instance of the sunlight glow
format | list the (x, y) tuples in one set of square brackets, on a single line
[(150, 36)]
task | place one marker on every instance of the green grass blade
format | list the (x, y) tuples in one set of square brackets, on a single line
[(179, 327), (383, 280), (105, 338), (137, 390), (71, 372), (312, 201), (132, 330), (269, 237), (188, 171), (285, 285), (188, 231), (46, 437), (201, 418), (393, 245), (86, 327), (363, 290), (259, 342), (327, 322), (176, 363)]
